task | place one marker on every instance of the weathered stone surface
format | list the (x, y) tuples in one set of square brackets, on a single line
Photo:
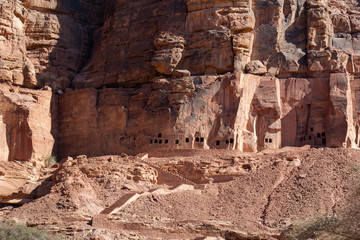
[(238, 111), (245, 75), (124, 54), (43, 42), (168, 52), (22, 182), (171, 77), (189, 35), (26, 125), (120, 197), (181, 73), (256, 67)]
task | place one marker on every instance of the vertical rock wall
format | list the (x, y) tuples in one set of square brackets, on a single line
[(144, 75), (25, 125), (199, 64), (43, 43)]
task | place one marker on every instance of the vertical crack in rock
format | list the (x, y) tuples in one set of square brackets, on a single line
[(287, 71)]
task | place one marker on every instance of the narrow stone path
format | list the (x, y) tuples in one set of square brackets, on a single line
[(164, 177), (123, 201)]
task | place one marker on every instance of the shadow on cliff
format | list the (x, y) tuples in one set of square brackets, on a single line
[(314, 120), (228, 98), (77, 21)]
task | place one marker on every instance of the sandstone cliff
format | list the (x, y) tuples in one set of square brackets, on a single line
[(198, 74), (42, 44)]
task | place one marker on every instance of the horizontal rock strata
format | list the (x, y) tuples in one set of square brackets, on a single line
[(144, 75)]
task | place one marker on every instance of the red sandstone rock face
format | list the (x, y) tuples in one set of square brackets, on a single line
[(237, 111), (202, 37), (104, 77), (42, 43), (45, 42), (25, 124), (245, 75)]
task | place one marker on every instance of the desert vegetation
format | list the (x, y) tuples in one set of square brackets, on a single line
[(344, 225), (50, 161), (15, 231)]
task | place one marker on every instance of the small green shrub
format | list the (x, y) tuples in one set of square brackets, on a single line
[(15, 231), (50, 161), (325, 228), (344, 226)]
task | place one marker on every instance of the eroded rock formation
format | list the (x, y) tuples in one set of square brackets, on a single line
[(45, 42), (25, 124), (250, 196), (42, 44), (200, 74)]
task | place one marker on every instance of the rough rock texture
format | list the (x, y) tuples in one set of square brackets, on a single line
[(202, 37), (198, 63), (235, 111), (22, 182), (42, 43), (197, 74), (45, 42), (172, 77), (25, 124), (249, 196)]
